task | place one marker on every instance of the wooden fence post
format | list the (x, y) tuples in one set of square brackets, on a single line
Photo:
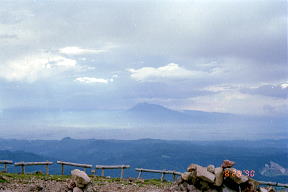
[(62, 169), (47, 169), (139, 174), (122, 173), (5, 168), (162, 176), (22, 169), (174, 176), (6, 162)]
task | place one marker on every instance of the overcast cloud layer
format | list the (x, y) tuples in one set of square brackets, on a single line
[(223, 56)]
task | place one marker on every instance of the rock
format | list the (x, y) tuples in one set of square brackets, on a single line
[(218, 176), (192, 188), (192, 167), (211, 168), (131, 179), (179, 180), (248, 187), (186, 176), (227, 164), (71, 185), (77, 189), (80, 178), (89, 188), (212, 190), (271, 189), (202, 173), (226, 189), (235, 176), (183, 186), (35, 188), (204, 186), (262, 189)]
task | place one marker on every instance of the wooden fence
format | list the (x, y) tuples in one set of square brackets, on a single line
[(163, 172), (62, 163), (6, 162), (23, 164), (103, 167)]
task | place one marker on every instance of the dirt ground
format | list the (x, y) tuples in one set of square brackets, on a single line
[(17, 183)]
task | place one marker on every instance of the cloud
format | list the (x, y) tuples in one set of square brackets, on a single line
[(236, 102), (170, 71), (91, 80), (284, 85), (280, 90), (80, 51), (34, 67)]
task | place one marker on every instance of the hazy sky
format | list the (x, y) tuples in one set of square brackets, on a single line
[(224, 56)]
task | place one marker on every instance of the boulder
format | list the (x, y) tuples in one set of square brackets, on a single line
[(89, 188), (192, 167), (77, 189), (203, 185), (218, 176), (227, 164), (71, 185), (202, 173), (186, 176), (192, 188), (80, 178), (235, 177), (226, 189), (211, 168), (262, 189)]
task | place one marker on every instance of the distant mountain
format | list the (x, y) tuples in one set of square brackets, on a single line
[(150, 153), (21, 156), (141, 121), (157, 113)]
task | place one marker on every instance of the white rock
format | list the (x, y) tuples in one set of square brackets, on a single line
[(80, 178), (202, 173), (77, 189), (263, 189), (211, 168), (185, 176), (218, 176)]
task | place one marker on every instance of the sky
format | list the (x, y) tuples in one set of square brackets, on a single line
[(215, 56)]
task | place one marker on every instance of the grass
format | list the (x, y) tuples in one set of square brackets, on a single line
[(95, 179)]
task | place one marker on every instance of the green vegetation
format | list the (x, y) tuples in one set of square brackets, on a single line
[(5, 177), (15, 176)]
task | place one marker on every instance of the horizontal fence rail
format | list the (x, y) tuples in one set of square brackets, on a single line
[(23, 164), (163, 172), (273, 184), (6, 162), (103, 167), (62, 163)]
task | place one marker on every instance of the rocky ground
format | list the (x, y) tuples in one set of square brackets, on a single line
[(34, 183)]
